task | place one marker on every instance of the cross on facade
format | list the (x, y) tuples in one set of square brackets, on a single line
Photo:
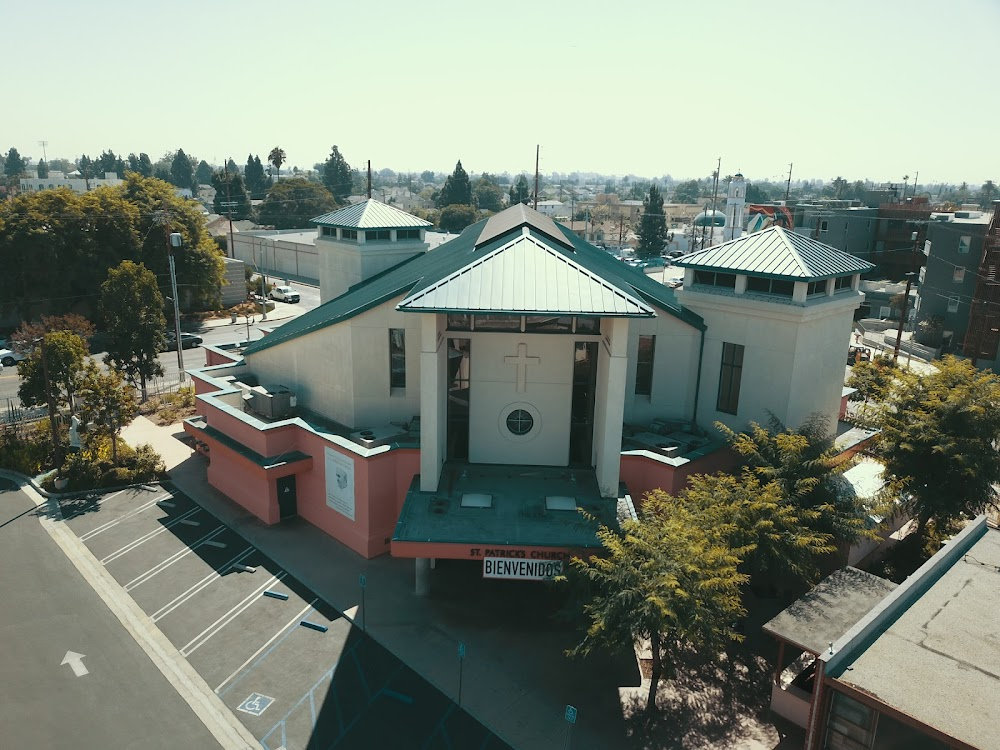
[(522, 360)]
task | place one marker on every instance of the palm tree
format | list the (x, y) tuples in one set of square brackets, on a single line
[(277, 158), (906, 179)]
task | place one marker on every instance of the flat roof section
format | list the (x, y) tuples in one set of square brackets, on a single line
[(517, 514), (829, 610), (939, 660)]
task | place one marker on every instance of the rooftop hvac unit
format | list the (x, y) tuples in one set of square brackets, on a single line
[(373, 437), (272, 401)]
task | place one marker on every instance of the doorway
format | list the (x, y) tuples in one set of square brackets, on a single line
[(287, 503)]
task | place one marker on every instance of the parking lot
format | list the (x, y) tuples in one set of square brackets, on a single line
[(295, 671)]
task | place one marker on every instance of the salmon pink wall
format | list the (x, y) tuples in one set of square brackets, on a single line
[(232, 476), (236, 429), (642, 475)]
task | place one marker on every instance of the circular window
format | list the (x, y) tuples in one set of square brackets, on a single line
[(520, 422)]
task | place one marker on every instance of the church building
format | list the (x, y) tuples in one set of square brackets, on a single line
[(465, 402)]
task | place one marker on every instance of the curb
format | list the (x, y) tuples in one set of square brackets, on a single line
[(16, 476)]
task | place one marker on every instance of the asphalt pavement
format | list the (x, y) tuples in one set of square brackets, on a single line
[(72, 675)]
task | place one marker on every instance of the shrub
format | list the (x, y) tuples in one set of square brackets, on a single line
[(26, 451), (93, 470)]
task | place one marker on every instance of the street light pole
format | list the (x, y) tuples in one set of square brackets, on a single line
[(175, 241)]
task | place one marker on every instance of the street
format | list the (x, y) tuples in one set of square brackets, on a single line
[(213, 335), (73, 675)]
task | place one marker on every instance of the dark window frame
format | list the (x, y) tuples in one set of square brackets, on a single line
[(644, 363), (348, 234), (397, 353), (730, 378)]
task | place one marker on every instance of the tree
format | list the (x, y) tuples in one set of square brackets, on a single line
[(652, 225), (230, 195), (109, 163), (456, 217), (806, 466), (938, 440), (987, 194), (457, 189), (776, 541), (65, 353), (488, 195), (666, 578), (132, 307), (291, 203), (14, 167), (182, 171), (519, 191), (43, 169), (108, 405), (872, 380), (277, 157), (427, 176), (256, 180), (203, 175), (756, 194), (140, 164), (687, 192), (337, 176)]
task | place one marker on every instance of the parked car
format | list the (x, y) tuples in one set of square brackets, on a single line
[(188, 341), (857, 354), (674, 254), (284, 294), (9, 358)]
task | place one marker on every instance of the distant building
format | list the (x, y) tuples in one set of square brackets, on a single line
[(551, 208), (74, 181)]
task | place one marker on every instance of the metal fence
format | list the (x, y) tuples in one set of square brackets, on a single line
[(13, 413), (162, 386)]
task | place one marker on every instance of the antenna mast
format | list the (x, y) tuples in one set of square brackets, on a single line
[(537, 149)]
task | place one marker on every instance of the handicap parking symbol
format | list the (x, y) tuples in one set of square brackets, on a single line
[(255, 704)]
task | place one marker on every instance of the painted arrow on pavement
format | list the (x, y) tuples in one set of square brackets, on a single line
[(75, 662)]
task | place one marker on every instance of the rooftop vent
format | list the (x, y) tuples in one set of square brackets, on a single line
[(477, 500), (560, 502), (373, 437)]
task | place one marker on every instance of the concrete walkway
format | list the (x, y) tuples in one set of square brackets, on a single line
[(516, 679)]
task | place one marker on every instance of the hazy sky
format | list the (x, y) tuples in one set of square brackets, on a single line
[(868, 90)]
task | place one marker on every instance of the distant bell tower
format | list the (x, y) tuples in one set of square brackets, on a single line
[(736, 201)]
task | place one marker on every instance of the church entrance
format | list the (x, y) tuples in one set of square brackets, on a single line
[(581, 429)]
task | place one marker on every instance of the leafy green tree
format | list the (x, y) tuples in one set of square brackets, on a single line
[(109, 163), (277, 157), (14, 166), (938, 440), (132, 307), (665, 578), (337, 176), (182, 171), (988, 193), (61, 165), (109, 405), (65, 353), (230, 195), (488, 195), (43, 169), (140, 164), (519, 191), (200, 268), (806, 466), (872, 380), (687, 192), (256, 179), (652, 230), (777, 541), (203, 175), (457, 189), (291, 203), (456, 217), (427, 176)]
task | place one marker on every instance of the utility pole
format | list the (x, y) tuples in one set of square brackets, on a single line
[(537, 149), (902, 315), (915, 184), (229, 204), (369, 178), (788, 185), (715, 197), (174, 240), (43, 144), (50, 401)]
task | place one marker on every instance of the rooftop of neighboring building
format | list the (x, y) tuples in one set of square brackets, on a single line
[(963, 217), (931, 649)]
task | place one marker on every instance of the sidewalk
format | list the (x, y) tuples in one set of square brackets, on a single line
[(281, 312), (516, 679)]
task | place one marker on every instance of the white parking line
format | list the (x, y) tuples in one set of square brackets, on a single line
[(271, 640), (202, 638), (146, 537), (205, 582), (189, 522), (163, 565), (132, 513), (100, 501)]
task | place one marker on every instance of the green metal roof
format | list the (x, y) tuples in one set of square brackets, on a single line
[(369, 214), (777, 253), (425, 270)]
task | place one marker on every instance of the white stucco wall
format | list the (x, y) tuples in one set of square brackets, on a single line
[(344, 264), (675, 369), (342, 371), (793, 358), (547, 396)]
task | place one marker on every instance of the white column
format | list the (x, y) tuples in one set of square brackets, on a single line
[(609, 407), (433, 402), (422, 573)]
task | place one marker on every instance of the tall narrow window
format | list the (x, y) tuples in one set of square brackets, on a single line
[(644, 366), (729, 380), (397, 358), (964, 243), (958, 274)]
